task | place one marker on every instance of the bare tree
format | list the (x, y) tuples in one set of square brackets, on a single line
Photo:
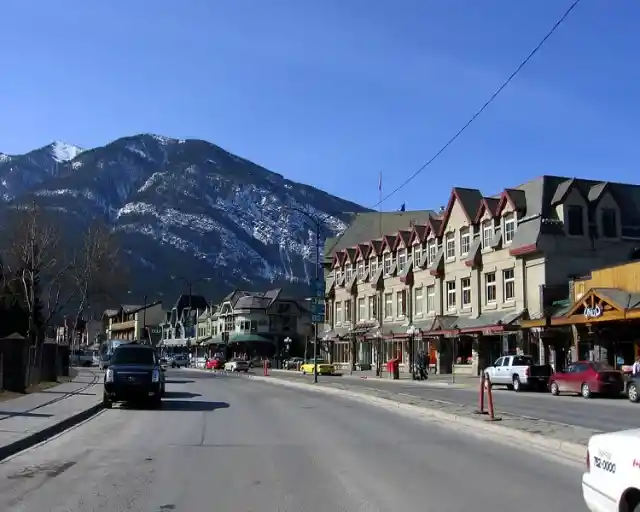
[(95, 273), (35, 267)]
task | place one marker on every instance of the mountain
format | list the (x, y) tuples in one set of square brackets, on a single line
[(183, 210)]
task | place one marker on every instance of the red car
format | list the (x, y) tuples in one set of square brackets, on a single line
[(587, 378), (215, 364)]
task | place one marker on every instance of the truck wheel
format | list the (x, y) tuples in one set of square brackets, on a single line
[(106, 403), (632, 393), (517, 386)]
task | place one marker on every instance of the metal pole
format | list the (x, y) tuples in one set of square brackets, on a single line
[(144, 317), (453, 361), (315, 342)]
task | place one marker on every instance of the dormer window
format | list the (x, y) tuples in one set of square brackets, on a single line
[(387, 261), (361, 269), (465, 241), (609, 219), (417, 255), (450, 246), (487, 234), (373, 266), (402, 259), (348, 271), (509, 230), (432, 247), (575, 218)]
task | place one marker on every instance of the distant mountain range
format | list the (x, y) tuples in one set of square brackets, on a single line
[(182, 209)]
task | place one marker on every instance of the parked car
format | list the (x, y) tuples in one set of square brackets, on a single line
[(587, 378), (610, 480), (518, 373), (237, 365), (215, 364), (293, 363), (324, 368), (178, 360), (79, 357), (134, 375)]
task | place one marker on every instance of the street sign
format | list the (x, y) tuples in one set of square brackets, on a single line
[(317, 308), (317, 319), (318, 288)]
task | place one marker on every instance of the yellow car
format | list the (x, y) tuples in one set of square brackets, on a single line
[(324, 368)]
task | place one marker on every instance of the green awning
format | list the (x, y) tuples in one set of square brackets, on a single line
[(248, 338)]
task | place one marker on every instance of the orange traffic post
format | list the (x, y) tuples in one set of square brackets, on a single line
[(483, 383), (492, 410), (265, 367)]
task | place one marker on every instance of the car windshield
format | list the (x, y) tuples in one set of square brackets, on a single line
[(133, 355), (602, 367)]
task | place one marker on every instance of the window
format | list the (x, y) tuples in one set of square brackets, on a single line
[(450, 245), (431, 299), (388, 305), (361, 269), (465, 241), (509, 284), (417, 255), (347, 311), (490, 286), (349, 271), (418, 302), (575, 218), (487, 234), (609, 223), (387, 264), (373, 309), (509, 227), (465, 284), (338, 312), (402, 259), (432, 247), (373, 266), (401, 303), (362, 312), (451, 295)]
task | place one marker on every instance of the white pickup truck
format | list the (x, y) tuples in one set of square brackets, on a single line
[(518, 373)]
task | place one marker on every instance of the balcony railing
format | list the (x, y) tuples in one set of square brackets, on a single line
[(123, 326)]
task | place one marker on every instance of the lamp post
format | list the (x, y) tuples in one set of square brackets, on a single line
[(378, 337), (287, 347), (412, 331)]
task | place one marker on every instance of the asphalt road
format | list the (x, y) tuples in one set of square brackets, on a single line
[(605, 414), (230, 444)]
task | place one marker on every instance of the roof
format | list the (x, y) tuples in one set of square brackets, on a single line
[(195, 301), (243, 299), (370, 225)]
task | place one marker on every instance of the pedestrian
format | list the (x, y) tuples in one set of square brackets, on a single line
[(636, 367), (422, 366)]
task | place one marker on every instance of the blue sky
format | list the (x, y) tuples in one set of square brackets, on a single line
[(330, 92)]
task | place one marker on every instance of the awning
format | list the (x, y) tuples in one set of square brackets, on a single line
[(601, 305), (490, 323), (248, 338), (173, 342)]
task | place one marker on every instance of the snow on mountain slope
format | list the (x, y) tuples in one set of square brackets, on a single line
[(183, 207)]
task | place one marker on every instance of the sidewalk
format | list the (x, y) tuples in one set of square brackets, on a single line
[(435, 379), (33, 418)]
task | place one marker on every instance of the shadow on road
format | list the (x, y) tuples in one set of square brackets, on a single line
[(180, 394), (66, 393), (172, 381), (11, 414), (192, 405)]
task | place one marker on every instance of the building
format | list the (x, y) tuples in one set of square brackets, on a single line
[(257, 323), (179, 325), (132, 322), (458, 283)]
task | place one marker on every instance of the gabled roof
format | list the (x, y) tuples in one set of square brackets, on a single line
[(363, 250), (388, 241), (404, 235), (434, 226), (376, 246), (351, 254), (488, 204), (469, 199), (418, 233)]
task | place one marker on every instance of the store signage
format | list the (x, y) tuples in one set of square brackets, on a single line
[(594, 312)]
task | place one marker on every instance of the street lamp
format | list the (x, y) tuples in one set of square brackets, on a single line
[(378, 337), (287, 345), (412, 331)]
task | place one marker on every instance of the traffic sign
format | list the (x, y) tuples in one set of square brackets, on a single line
[(317, 319), (318, 288), (317, 308)]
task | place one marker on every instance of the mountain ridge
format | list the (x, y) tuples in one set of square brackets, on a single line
[(182, 206)]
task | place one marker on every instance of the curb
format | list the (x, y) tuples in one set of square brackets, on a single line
[(35, 438), (573, 451)]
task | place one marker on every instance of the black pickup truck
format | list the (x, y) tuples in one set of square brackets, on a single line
[(134, 375)]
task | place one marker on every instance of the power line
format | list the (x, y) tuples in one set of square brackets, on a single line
[(482, 109)]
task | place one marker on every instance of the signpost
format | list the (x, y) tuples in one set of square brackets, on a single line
[(317, 313)]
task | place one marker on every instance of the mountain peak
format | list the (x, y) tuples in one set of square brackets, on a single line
[(64, 152)]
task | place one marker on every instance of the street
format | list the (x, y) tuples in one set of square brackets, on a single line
[(227, 443), (604, 414)]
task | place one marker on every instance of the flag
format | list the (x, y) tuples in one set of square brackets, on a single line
[(403, 207), (380, 182)]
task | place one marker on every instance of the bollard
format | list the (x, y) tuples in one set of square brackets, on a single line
[(484, 383), (265, 367), (492, 411)]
